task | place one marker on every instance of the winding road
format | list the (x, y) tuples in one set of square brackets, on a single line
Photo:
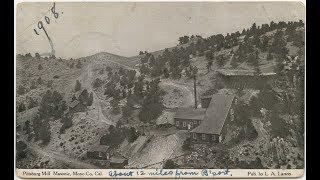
[(62, 158)]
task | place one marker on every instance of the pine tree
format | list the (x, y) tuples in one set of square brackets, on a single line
[(21, 107), (77, 86), (128, 108)]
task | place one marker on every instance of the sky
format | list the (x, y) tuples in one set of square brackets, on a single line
[(83, 29)]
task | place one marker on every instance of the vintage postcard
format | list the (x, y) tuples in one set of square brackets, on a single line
[(160, 89)]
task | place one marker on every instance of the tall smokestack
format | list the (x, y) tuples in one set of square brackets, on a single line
[(195, 91)]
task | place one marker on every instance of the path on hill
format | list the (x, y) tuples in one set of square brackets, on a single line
[(87, 79), (63, 158)]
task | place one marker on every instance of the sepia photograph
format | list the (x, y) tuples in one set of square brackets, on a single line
[(160, 85)]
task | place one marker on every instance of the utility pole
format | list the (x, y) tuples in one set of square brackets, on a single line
[(195, 91)]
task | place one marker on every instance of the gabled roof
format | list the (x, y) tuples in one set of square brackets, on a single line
[(74, 103), (245, 96), (190, 113), (117, 159), (216, 113)]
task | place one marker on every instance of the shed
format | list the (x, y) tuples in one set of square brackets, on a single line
[(118, 162), (246, 78), (98, 151)]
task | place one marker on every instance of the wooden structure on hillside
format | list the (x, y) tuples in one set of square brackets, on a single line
[(242, 79), (118, 162), (188, 118)]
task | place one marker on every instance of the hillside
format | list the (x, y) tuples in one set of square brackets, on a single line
[(66, 107)]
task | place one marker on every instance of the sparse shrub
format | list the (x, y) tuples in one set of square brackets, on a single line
[(40, 67), (21, 90), (133, 134), (79, 65), (49, 83), (39, 81), (32, 103), (71, 65), (21, 107), (97, 83), (33, 85), (187, 144), (101, 71), (170, 164)]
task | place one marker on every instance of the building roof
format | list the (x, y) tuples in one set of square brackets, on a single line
[(117, 159), (245, 72), (216, 113), (74, 103), (245, 95), (208, 93), (190, 113)]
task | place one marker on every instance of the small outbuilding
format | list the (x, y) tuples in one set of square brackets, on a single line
[(118, 162), (99, 152)]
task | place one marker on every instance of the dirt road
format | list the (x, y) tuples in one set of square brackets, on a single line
[(62, 158)]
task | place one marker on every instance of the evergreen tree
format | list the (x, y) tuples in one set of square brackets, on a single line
[(32, 103), (90, 99), (166, 73), (21, 90), (39, 81), (169, 164), (40, 67), (37, 56), (66, 121), (77, 86), (115, 106), (209, 58), (79, 64), (279, 44), (33, 85), (84, 97), (152, 104), (21, 107)]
